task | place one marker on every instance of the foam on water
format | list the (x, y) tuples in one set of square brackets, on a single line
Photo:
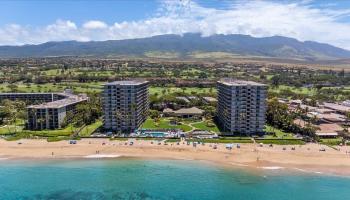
[(307, 171), (239, 164), (102, 156), (271, 167)]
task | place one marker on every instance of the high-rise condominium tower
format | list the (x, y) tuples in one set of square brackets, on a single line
[(241, 106)]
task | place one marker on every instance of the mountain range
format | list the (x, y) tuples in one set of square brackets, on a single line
[(189, 45)]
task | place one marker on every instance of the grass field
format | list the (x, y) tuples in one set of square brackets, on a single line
[(69, 130), (58, 87), (164, 124), (97, 87), (331, 141), (187, 90), (10, 129), (281, 141), (88, 130), (248, 140), (223, 140), (203, 126), (280, 134), (55, 135), (301, 90)]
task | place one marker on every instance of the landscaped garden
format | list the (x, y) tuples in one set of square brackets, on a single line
[(165, 123), (185, 125), (206, 125), (52, 135), (277, 133)]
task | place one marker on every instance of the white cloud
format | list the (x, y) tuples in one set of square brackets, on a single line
[(95, 24), (256, 18)]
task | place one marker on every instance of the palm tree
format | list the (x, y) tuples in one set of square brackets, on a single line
[(347, 118)]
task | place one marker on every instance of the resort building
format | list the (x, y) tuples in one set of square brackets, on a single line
[(241, 106), (339, 108), (33, 98), (125, 105), (50, 109), (193, 112), (52, 115), (323, 129), (210, 100)]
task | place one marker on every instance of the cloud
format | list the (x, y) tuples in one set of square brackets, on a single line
[(95, 24), (302, 21)]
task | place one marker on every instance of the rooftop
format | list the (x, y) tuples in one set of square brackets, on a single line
[(329, 128), (61, 103), (234, 82), (329, 116), (337, 107), (184, 99), (323, 129), (26, 93), (64, 93), (127, 82), (184, 111), (193, 110), (210, 99)]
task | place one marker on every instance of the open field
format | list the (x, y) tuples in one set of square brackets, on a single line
[(332, 141), (203, 126), (97, 87), (280, 134), (58, 134), (187, 90), (164, 123), (57, 87), (186, 125), (88, 130), (301, 90), (9, 129)]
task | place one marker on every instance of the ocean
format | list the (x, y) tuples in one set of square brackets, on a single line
[(160, 179)]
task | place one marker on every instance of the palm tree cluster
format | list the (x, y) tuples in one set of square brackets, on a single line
[(278, 115)]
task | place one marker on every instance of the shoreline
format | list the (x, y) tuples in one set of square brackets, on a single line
[(306, 158)]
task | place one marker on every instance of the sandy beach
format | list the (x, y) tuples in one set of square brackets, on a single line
[(307, 158)]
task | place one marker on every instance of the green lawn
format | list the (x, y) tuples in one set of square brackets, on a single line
[(88, 130), (96, 87), (203, 126), (187, 90), (173, 140), (69, 130), (301, 90), (331, 141), (59, 87), (281, 141), (58, 134), (280, 134), (223, 140), (5, 130), (248, 140), (164, 124)]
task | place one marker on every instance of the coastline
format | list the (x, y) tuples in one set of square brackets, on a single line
[(306, 158)]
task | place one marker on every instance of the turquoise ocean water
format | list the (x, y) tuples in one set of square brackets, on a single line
[(159, 179)]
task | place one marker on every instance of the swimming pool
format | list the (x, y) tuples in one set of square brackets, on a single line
[(152, 133), (155, 134)]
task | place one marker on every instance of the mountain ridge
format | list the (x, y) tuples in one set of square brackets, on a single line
[(184, 46)]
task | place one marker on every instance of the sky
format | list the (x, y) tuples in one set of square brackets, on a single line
[(38, 21)]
